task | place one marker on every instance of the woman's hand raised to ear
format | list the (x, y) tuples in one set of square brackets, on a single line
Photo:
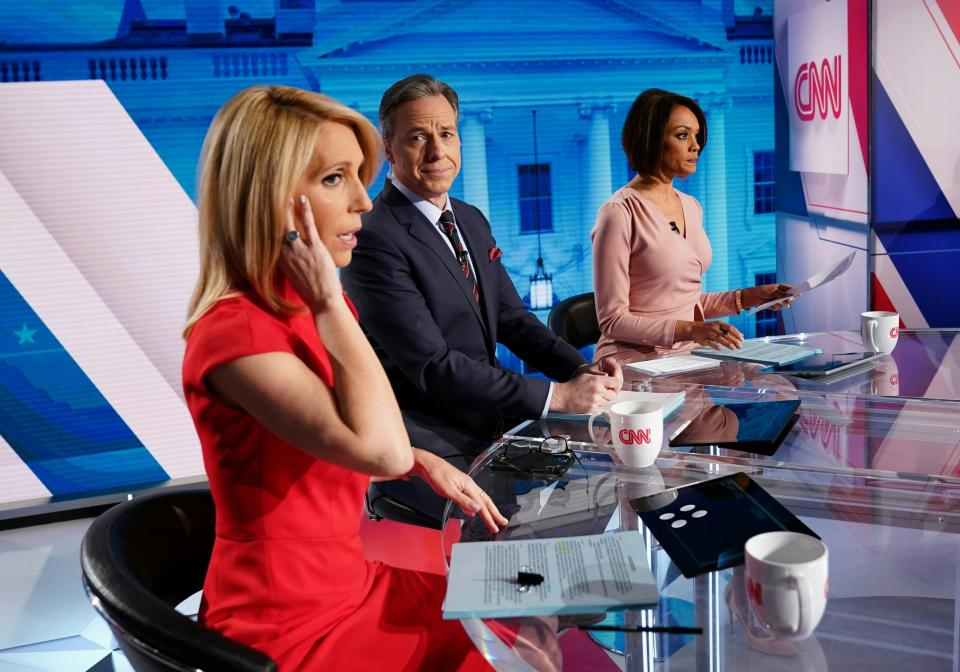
[(305, 260), (356, 423)]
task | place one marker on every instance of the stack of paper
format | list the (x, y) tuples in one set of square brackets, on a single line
[(662, 366), (762, 352), (671, 402), (580, 575)]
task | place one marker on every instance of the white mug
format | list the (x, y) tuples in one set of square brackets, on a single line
[(786, 578), (879, 331), (637, 431)]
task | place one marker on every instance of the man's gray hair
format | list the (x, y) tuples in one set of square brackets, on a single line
[(413, 88)]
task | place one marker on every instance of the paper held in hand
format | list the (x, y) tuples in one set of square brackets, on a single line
[(580, 575), (821, 277)]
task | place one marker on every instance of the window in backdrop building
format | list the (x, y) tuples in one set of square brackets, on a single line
[(535, 201), (762, 182), (766, 319)]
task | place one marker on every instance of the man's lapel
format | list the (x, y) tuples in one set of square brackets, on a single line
[(421, 229)]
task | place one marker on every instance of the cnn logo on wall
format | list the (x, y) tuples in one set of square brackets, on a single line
[(817, 89), (816, 76)]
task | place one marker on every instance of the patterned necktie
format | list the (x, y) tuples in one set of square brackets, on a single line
[(450, 228)]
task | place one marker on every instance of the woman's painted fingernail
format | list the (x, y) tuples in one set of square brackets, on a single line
[(303, 199)]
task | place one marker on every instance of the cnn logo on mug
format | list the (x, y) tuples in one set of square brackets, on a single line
[(631, 437)]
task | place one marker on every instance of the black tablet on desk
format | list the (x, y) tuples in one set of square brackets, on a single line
[(847, 379), (825, 364), (753, 427), (704, 526)]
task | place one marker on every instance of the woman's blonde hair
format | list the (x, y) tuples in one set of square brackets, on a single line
[(258, 146)]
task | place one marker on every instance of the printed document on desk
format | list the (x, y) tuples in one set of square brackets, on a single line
[(821, 277), (762, 352), (580, 575)]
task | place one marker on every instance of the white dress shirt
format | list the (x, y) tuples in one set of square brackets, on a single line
[(432, 213)]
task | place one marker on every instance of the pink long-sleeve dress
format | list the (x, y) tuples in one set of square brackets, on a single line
[(646, 276)]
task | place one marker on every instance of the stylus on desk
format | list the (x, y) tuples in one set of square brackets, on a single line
[(665, 629)]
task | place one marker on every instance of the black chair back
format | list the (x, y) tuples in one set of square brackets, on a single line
[(575, 320), (382, 506), (143, 557)]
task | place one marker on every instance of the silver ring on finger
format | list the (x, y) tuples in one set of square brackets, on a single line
[(291, 236)]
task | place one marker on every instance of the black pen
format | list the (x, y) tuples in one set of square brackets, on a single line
[(664, 629)]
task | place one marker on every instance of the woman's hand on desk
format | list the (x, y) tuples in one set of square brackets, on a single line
[(711, 334), (761, 294), (451, 483)]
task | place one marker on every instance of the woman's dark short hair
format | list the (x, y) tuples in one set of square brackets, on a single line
[(646, 123)]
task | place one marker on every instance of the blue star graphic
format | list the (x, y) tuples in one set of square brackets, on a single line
[(25, 334)]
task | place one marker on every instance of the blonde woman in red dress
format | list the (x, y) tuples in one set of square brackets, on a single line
[(294, 412)]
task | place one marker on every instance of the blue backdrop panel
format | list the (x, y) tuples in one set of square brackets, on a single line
[(911, 217), (903, 187), (931, 277), (54, 417)]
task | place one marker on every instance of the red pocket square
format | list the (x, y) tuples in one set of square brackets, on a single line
[(494, 253)]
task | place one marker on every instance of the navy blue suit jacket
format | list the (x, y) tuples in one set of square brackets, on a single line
[(436, 344)]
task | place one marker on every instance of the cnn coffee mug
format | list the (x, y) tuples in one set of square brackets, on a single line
[(879, 331), (637, 431), (786, 582)]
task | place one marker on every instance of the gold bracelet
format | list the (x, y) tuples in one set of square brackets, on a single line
[(739, 300)]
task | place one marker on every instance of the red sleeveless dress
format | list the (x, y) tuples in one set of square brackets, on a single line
[(288, 574)]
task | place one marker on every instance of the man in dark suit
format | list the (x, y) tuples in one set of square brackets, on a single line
[(434, 300)]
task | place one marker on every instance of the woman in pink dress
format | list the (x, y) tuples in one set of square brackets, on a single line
[(650, 250), (294, 412)]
